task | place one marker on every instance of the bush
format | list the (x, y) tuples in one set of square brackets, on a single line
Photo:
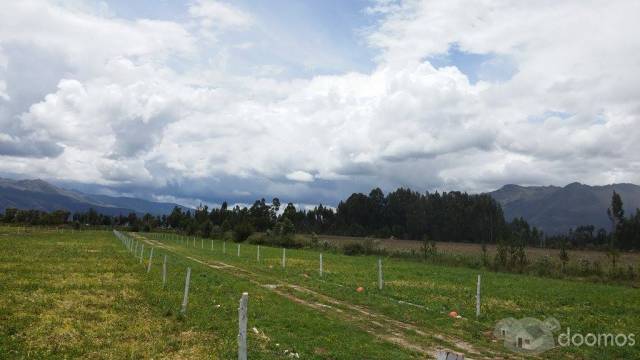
[(315, 241), (584, 266), (353, 248), (257, 239), (216, 232), (242, 231), (543, 266)]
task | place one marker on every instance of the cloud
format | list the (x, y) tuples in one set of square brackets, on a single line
[(146, 107), (3, 83), (215, 16), (301, 176), (29, 147)]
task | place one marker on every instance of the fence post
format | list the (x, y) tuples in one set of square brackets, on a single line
[(380, 281), (224, 247), (150, 260), (211, 244), (446, 355), (185, 299), (238, 250), (284, 258), (478, 297), (320, 264), (258, 254), (242, 327), (164, 271), (202, 243), (141, 253)]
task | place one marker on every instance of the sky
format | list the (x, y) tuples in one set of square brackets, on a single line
[(202, 101)]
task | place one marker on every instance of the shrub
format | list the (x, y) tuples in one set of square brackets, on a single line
[(371, 246), (584, 266), (242, 231), (216, 232), (314, 239), (353, 248), (543, 266), (257, 239)]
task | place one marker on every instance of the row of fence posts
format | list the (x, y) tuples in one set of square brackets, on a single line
[(321, 266), (132, 245)]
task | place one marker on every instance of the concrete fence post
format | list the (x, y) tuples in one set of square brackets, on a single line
[(380, 280), (185, 298), (150, 261), (478, 297), (164, 272), (242, 327)]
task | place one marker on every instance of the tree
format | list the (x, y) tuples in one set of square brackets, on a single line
[(242, 231), (428, 247), (564, 256), (501, 254), (226, 226), (616, 215)]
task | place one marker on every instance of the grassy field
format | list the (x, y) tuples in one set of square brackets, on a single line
[(452, 248), (85, 295)]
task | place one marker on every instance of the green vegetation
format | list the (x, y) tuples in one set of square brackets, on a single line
[(82, 294), (423, 294)]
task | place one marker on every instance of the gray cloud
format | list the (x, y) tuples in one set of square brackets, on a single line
[(28, 148), (148, 107)]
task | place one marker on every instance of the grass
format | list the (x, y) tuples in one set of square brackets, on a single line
[(83, 294), (583, 307), (475, 250)]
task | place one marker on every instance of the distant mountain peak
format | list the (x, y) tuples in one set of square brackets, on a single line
[(38, 194), (557, 209)]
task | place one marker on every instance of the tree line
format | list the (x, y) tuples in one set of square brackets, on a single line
[(401, 214)]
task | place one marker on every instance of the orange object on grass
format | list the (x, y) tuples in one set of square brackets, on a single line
[(360, 289), (453, 314)]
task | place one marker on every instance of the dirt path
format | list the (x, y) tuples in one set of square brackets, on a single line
[(381, 326)]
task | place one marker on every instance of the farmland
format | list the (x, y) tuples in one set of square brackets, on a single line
[(467, 249), (84, 294)]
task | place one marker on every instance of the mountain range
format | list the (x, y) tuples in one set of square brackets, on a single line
[(552, 209), (556, 209), (40, 195)]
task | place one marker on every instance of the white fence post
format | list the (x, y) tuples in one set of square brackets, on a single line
[(242, 327), (380, 281), (150, 260), (164, 271), (185, 299), (238, 250), (478, 297), (211, 244), (284, 258), (446, 355), (320, 264), (258, 254)]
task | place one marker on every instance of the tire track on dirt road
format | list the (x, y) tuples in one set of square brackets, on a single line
[(403, 334)]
